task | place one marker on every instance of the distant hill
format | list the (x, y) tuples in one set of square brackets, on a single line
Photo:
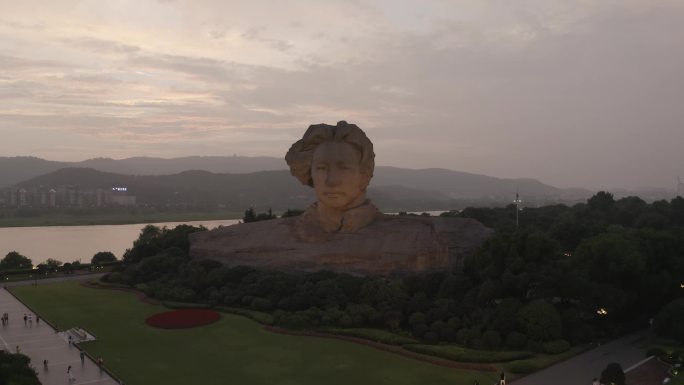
[(161, 166), (18, 169), (396, 187), (463, 185), (392, 189)]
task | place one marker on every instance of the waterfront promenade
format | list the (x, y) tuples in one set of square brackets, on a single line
[(39, 341)]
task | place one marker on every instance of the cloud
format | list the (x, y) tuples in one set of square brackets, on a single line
[(573, 92)]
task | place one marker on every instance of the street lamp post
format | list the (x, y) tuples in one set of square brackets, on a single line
[(517, 202)]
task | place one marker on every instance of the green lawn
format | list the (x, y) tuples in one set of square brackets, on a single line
[(234, 350)]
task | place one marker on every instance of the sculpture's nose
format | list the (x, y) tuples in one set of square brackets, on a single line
[(332, 178)]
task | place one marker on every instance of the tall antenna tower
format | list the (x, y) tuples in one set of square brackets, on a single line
[(517, 202)]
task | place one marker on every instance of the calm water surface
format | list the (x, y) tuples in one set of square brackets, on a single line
[(72, 243)]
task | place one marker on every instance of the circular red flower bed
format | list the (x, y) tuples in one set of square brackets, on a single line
[(183, 318)]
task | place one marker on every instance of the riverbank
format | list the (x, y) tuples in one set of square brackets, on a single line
[(115, 218)]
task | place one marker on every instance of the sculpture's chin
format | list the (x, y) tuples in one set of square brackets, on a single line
[(340, 202)]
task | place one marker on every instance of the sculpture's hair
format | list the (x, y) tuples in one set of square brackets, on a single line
[(300, 155)]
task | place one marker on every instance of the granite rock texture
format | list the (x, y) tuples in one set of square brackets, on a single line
[(389, 245)]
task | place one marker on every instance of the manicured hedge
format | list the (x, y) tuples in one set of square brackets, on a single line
[(457, 353), (185, 305), (523, 366), (377, 335), (260, 317)]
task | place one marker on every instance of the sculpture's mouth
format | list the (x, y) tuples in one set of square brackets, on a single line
[(333, 194)]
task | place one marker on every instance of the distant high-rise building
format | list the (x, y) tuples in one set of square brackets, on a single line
[(14, 199), (21, 197), (52, 198)]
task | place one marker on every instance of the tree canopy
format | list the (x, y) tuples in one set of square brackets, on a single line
[(102, 257), (14, 260)]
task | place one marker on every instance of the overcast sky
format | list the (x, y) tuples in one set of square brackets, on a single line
[(575, 93)]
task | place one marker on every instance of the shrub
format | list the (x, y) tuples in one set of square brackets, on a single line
[(184, 305), (431, 337), (16, 369), (516, 340), (657, 352), (458, 353), (378, 335), (247, 300), (523, 367), (669, 322), (332, 316), (613, 373), (535, 346), (113, 277), (420, 330), (261, 304), (541, 321), (416, 318), (491, 339), (463, 336), (262, 318), (477, 343), (295, 321), (447, 334), (556, 346)]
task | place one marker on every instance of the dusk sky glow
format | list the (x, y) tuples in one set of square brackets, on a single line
[(575, 93)]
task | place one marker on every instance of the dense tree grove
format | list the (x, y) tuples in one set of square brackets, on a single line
[(567, 275), (252, 216)]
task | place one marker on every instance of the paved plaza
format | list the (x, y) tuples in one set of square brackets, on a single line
[(40, 341)]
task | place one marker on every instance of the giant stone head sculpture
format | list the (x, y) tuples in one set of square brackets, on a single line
[(338, 162)]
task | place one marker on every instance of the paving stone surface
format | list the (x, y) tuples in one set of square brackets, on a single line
[(40, 341)]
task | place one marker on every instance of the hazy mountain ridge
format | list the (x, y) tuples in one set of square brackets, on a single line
[(163, 166), (20, 168), (264, 189), (394, 186), (14, 170)]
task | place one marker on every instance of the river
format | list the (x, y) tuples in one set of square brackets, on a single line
[(73, 243)]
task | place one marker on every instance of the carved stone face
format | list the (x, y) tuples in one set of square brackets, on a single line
[(337, 177)]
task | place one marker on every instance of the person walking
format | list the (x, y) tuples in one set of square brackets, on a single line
[(30, 319), (37, 320), (69, 339), (82, 354), (502, 380), (70, 374), (18, 350), (45, 364), (25, 318)]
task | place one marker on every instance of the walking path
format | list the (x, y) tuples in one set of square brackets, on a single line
[(583, 368), (40, 341)]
